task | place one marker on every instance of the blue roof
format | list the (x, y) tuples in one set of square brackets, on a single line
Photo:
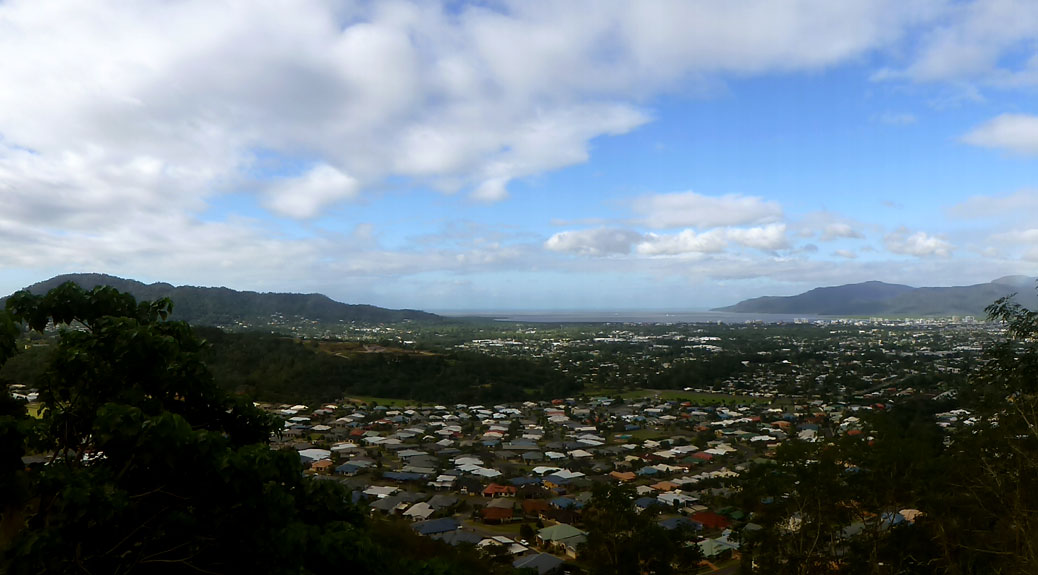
[(403, 476), (646, 502), (520, 481), (542, 562), (436, 526), (566, 503), (458, 536), (357, 496), (675, 522)]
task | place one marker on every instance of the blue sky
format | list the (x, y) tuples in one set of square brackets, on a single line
[(520, 155)]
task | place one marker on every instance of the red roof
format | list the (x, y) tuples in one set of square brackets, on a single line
[(495, 489), (711, 520)]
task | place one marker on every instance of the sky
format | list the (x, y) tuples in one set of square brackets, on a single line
[(527, 155)]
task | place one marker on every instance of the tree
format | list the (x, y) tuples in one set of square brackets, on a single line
[(988, 521), (154, 469), (623, 540)]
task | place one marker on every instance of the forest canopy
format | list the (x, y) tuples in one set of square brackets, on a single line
[(149, 467)]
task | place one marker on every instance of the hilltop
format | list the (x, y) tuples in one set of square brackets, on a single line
[(884, 299), (225, 306)]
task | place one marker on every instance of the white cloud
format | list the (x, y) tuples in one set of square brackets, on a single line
[(769, 238), (305, 196), (605, 241), (918, 244), (689, 209), (1017, 133), (1020, 204), (684, 242), (416, 89), (597, 242), (839, 230), (1026, 237), (972, 43), (846, 254)]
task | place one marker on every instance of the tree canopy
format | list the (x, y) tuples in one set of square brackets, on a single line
[(152, 468)]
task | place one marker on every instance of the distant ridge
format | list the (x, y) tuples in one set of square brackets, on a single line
[(875, 298), (224, 306)]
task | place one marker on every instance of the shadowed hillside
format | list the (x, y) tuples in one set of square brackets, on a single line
[(223, 306)]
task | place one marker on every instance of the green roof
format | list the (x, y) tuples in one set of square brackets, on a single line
[(560, 531)]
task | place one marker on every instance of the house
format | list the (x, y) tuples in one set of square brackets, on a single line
[(711, 520), (676, 499), (623, 476), (458, 536), (562, 537), (673, 523), (440, 501), (419, 511), (565, 503), (543, 563), (322, 465), (497, 514), (348, 469), (643, 503), (434, 526), (501, 541), (495, 490)]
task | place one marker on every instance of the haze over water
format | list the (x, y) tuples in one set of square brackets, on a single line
[(636, 316)]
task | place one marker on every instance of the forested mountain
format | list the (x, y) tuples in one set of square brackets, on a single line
[(224, 306), (883, 299)]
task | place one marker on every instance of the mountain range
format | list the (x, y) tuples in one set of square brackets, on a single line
[(224, 306), (876, 298)]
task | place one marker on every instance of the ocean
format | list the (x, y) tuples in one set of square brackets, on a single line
[(635, 316)]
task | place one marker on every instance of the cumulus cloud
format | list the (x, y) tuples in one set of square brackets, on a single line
[(1022, 203), (423, 90), (597, 242), (846, 254), (128, 121), (306, 195), (604, 241), (972, 43), (689, 209), (839, 230), (769, 238), (827, 226), (919, 244), (1028, 236), (684, 242), (1016, 133)]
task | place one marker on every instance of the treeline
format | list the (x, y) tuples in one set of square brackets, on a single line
[(268, 367)]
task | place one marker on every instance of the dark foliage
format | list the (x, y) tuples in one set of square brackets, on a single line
[(152, 468), (273, 368)]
